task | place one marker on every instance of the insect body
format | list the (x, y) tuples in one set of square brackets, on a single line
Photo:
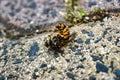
[(60, 38), (63, 31)]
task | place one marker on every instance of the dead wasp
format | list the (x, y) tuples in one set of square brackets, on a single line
[(60, 38)]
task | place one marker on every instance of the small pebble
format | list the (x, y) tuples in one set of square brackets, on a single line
[(31, 22), (81, 66), (12, 7), (32, 5), (79, 41), (4, 52), (84, 79), (95, 58), (70, 75), (32, 58), (2, 77), (35, 76), (5, 59), (87, 18), (108, 0), (18, 10), (91, 3), (56, 55), (117, 72), (116, 78), (10, 43), (46, 10), (87, 41), (13, 55), (92, 24), (91, 34), (45, 20), (33, 14), (73, 49), (101, 67), (109, 38), (111, 65), (36, 70), (12, 13), (104, 45), (78, 53), (53, 13), (84, 31), (105, 32), (68, 60), (105, 19), (97, 40), (17, 61), (83, 59), (12, 76), (43, 65), (92, 78), (102, 24), (34, 49), (71, 69), (17, 68), (117, 42), (52, 68)]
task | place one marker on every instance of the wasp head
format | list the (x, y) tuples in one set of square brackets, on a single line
[(60, 26)]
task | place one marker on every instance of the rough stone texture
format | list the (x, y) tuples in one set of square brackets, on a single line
[(24, 13), (30, 16), (104, 4), (29, 59), (96, 45)]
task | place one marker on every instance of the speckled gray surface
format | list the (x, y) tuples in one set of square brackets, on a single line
[(26, 12), (93, 55), (104, 4)]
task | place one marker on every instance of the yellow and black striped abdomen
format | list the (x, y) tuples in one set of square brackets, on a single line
[(65, 33)]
